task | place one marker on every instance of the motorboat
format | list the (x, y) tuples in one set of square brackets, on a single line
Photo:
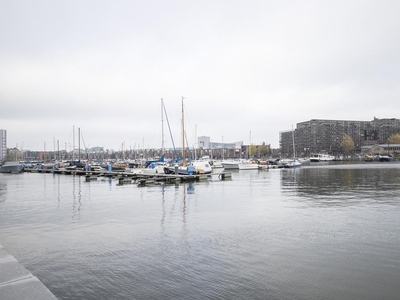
[(202, 166), (293, 163), (385, 158), (317, 157), (154, 168), (216, 164), (75, 165), (194, 167), (97, 168), (248, 165), (230, 164), (303, 160), (11, 167), (119, 166)]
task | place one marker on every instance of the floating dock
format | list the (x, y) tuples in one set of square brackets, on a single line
[(140, 178), (18, 283)]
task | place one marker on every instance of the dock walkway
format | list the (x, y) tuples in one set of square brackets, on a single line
[(137, 177), (17, 283)]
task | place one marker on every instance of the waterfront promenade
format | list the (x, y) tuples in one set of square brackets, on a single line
[(17, 283)]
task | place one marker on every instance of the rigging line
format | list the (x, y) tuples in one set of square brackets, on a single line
[(170, 132), (187, 145), (83, 141), (188, 121), (86, 152)]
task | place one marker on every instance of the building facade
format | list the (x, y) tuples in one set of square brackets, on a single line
[(3, 144), (325, 136), (384, 149), (205, 142)]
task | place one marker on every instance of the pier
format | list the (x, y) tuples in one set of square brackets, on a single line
[(17, 283), (139, 178)]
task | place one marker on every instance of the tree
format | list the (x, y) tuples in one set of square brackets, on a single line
[(347, 144), (264, 149), (394, 139), (252, 150)]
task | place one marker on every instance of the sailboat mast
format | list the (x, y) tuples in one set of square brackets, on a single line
[(183, 136), (250, 144), (79, 143), (211, 148), (223, 148), (73, 142), (162, 127), (294, 148)]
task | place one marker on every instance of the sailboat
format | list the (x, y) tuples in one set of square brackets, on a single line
[(156, 166), (248, 164), (293, 163), (194, 167), (76, 164)]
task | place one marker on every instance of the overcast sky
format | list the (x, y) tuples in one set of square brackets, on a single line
[(247, 69)]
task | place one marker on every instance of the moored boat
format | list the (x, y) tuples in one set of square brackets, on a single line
[(154, 168), (195, 167), (248, 165), (75, 165), (119, 166), (11, 167), (385, 158), (317, 157), (293, 163), (230, 164)]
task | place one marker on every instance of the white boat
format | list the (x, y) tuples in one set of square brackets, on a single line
[(230, 164), (157, 165), (215, 164), (303, 160), (385, 158), (317, 157), (11, 167), (97, 168), (293, 163), (194, 167), (154, 168), (202, 166), (248, 165)]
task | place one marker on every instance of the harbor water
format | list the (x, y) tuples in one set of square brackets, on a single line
[(322, 231)]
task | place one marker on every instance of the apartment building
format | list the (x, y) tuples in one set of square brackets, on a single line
[(3, 144), (325, 136)]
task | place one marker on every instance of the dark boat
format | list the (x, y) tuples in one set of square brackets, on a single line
[(11, 167), (385, 158)]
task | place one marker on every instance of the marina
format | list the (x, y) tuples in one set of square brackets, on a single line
[(129, 177), (322, 231), (199, 150)]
